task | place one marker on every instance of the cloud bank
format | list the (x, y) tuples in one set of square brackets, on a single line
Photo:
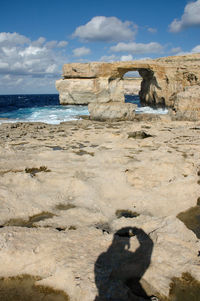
[(106, 29), (82, 51), (138, 48), (196, 49), (190, 18), (20, 56), (27, 65)]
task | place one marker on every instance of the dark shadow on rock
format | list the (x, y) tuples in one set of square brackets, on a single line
[(118, 271)]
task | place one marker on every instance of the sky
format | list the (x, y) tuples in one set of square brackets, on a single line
[(38, 36)]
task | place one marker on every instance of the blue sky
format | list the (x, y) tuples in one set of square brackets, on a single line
[(38, 36)]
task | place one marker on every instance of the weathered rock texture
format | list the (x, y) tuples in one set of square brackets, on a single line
[(103, 82), (187, 103), (113, 110), (66, 191), (88, 90)]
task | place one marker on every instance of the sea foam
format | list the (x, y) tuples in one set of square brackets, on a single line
[(46, 108)]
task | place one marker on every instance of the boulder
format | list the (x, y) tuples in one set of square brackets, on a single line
[(112, 111), (187, 104)]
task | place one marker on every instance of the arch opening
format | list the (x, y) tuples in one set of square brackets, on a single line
[(132, 85), (147, 90)]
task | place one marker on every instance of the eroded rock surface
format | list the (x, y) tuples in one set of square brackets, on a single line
[(85, 202), (187, 104), (89, 90), (112, 111)]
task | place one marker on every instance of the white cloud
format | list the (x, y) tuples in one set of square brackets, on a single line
[(152, 30), (31, 51), (176, 50), (8, 51), (51, 69), (196, 49), (29, 66), (10, 39), (62, 44), (51, 44), (109, 58), (144, 58), (191, 17), (39, 42), (3, 65), (106, 29), (14, 84), (82, 51), (20, 55), (126, 57), (138, 48)]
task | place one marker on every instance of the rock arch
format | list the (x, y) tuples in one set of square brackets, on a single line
[(100, 82)]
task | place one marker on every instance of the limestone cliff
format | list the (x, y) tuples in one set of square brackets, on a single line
[(162, 80)]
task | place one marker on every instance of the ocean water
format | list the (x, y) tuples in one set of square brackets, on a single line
[(46, 108), (38, 108), (148, 110)]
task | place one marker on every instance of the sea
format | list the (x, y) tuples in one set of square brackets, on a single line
[(46, 108)]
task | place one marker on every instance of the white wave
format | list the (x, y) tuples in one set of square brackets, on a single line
[(58, 114), (149, 110), (50, 115)]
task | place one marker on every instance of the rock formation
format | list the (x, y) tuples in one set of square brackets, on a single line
[(113, 110), (187, 104), (162, 80)]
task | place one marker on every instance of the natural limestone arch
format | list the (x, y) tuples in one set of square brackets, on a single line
[(103, 82), (100, 82)]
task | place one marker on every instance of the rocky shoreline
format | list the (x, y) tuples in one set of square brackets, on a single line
[(100, 210)]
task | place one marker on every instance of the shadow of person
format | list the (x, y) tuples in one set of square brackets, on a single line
[(118, 271)]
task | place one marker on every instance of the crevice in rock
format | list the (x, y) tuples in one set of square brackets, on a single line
[(30, 223), (60, 229), (138, 135), (82, 152), (104, 227), (126, 213), (34, 170), (62, 206), (72, 227), (78, 77), (2, 172)]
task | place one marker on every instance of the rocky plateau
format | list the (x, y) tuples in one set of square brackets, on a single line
[(100, 211)]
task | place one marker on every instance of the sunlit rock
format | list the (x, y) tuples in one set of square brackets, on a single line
[(162, 80), (113, 110)]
